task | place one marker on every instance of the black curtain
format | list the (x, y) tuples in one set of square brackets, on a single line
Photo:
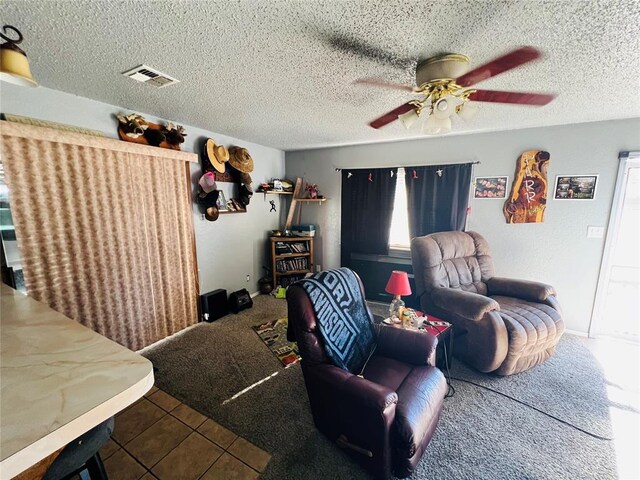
[(367, 206), (437, 198)]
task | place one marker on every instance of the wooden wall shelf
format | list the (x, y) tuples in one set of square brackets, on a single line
[(72, 138), (299, 200), (307, 200)]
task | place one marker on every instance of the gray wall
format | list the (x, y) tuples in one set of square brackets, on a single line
[(230, 248), (556, 251)]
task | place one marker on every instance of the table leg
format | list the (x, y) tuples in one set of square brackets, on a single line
[(450, 347)]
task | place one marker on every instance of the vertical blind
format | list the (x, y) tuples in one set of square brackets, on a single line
[(105, 230)]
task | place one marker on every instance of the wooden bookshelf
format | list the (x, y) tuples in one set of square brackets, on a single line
[(291, 259)]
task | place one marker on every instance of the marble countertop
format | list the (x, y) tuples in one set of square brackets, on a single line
[(58, 379)]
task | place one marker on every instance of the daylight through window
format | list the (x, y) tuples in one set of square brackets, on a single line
[(399, 234)]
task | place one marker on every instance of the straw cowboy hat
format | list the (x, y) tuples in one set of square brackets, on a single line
[(240, 159), (216, 154)]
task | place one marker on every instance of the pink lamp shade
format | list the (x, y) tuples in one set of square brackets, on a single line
[(398, 283)]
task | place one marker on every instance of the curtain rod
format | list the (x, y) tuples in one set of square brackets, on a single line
[(475, 162)]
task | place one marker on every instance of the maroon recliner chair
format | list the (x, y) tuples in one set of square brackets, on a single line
[(386, 416)]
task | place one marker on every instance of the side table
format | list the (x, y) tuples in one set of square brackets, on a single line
[(444, 334)]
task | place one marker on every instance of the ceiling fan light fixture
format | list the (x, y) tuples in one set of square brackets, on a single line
[(441, 108), (435, 125), (409, 118), (14, 65), (446, 106), (468, 111), (445, 125)]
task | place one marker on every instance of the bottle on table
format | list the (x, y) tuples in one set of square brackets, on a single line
[(406, 319), (395, 309)]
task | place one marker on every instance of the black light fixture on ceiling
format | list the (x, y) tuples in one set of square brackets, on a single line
[(14, 65)]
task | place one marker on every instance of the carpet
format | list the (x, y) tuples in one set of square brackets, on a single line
[(577, 396), (481, 435), (274, 336)]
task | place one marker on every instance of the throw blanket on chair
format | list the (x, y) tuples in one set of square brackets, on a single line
[(343, 318)]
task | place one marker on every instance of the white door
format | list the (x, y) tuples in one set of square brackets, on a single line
[(617, 308)]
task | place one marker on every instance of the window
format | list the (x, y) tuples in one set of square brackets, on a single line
[(399, 234)]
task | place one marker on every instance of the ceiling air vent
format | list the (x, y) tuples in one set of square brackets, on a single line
[(151, 76)]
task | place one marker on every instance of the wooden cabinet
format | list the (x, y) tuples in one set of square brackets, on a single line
[(291, 259)]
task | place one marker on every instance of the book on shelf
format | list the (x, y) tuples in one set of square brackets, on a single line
[(284, 265), (299, 247), (282, 248), (291, 247)]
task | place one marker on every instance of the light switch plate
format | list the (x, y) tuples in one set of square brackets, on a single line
[(595, 232)]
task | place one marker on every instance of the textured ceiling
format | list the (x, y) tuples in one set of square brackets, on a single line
[(280, 73)]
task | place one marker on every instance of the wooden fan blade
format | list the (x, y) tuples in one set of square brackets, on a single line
[(381, 83), (499, 65), (521, 98), (392, 115)]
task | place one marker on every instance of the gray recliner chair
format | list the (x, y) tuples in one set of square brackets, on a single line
[(501, 325)]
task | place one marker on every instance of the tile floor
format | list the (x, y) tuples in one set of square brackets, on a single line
[(158, 437)]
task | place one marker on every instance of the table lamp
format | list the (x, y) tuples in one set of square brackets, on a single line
[(397, 286)]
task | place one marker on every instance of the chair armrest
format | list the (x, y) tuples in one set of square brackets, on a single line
[(409, 346), (524, 289), (354, 390), (465, 304)]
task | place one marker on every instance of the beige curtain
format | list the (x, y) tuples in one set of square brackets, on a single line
[(105, 231)]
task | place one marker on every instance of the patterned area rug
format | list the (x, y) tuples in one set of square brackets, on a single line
[(274, 336)]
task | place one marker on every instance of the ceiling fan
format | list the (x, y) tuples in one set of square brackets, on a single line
[(443, 85)]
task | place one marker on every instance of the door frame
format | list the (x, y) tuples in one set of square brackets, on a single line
[(627, 161)]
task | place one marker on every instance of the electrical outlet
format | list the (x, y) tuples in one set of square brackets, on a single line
[(595, 232), (248, 278), (318, 268)]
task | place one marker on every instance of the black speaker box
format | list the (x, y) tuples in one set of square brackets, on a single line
[(214, 305), (240, 300)]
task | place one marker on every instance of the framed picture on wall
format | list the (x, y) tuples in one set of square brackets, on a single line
[(490, 187), (575, 187)]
